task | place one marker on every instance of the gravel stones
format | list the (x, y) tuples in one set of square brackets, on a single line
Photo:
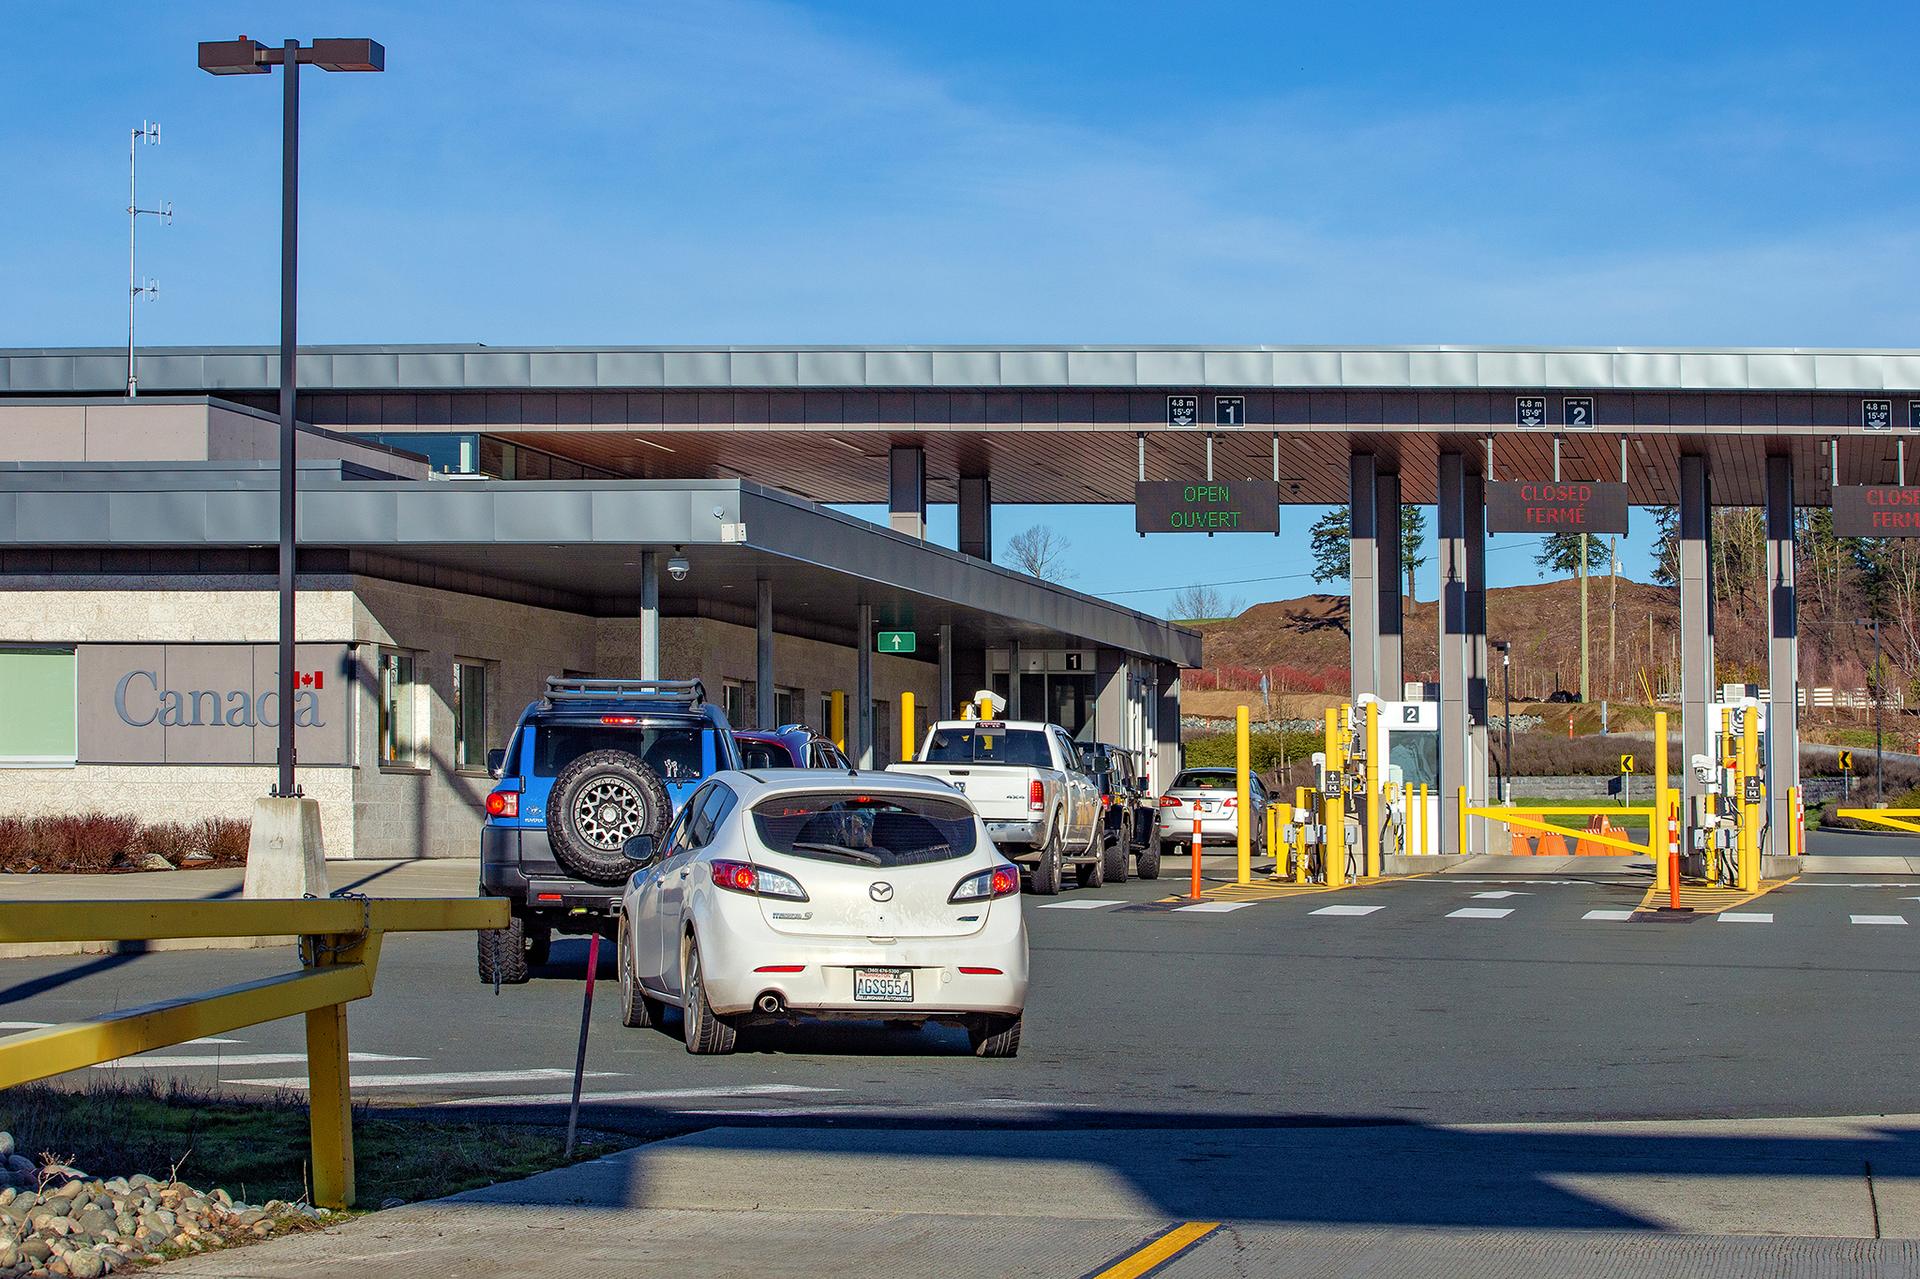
[(59, 1223)]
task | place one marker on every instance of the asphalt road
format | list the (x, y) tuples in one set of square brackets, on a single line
[(1395, 1008)]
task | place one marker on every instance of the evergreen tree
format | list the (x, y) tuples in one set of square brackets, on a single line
[(1560, 553), (1332, 549)]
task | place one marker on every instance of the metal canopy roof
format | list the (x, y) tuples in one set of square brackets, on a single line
[(453, 367), (582, 539)]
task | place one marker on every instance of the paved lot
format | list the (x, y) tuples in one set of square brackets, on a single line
[(1316, 1072)]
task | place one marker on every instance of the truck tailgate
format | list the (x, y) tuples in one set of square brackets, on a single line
[(998, 791)]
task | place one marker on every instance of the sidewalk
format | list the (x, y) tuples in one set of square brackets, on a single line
[(1834, 1196), (448, 877)]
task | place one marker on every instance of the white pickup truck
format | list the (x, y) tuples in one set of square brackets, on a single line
[(1024, 778)]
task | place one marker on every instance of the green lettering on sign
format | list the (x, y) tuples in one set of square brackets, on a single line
[(897, 642)]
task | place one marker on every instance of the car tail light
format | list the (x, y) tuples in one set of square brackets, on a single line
[(548, 897), (622, 721), (1231, 801), (1106, 801), (754, 881), (1169, 801), (1036, 795), (1000, 881), (503, 803)]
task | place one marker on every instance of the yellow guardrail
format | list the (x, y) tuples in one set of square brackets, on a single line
[(1905, 819), (1533, 819), (339, 955)]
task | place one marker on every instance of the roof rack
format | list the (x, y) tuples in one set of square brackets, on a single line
[(561, 689)]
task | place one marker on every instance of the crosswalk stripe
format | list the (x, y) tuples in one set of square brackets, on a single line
[(1212, 908), (1745, 917), (1082, 903), (1480, 912), (1502, 893), (1345, 910), (1608, 914), (450, 1079), (171, 1061), (1878, 919)]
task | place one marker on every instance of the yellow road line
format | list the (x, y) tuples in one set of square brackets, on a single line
[(1705, 900), (1157, 1251)]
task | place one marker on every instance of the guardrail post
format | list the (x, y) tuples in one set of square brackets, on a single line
[(331, 1107)]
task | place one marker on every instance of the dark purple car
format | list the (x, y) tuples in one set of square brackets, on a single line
[(789, 746)]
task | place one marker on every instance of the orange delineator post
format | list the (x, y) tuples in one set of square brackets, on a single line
[(1673, 879), (1196, 853)]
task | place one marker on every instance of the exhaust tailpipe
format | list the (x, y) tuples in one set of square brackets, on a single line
[(769, 1003)]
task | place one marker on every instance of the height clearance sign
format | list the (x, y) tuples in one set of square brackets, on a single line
[(1541, 506), (1876, 510), (1205, 506)]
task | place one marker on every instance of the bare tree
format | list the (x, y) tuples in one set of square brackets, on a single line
[(1200, 603), (1040, 552)]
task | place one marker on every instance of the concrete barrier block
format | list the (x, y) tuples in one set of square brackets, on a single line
[(285, 854)]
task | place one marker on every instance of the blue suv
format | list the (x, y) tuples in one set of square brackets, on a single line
[(589, 766)]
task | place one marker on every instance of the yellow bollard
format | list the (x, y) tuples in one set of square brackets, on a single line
[(1300, 803), (907, 743), (1657, 825), (1279, 821), (1334, 851), (1243, 794), (1372, 810), (1795, 832), (1461, 809), (837, 719), (1749, 813)]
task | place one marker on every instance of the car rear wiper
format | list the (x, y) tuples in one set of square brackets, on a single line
[(858, 854)]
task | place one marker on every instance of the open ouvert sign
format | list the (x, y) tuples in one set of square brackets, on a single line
[(1205, 506)]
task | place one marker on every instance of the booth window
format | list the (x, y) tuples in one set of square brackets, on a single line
[(733, 699), (786, 705), (400, 719), (470, 696), (38, 708)]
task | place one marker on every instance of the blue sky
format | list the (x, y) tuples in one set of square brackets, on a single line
[(1709, 173)]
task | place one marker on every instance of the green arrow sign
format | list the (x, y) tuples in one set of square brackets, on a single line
[(897, 642)]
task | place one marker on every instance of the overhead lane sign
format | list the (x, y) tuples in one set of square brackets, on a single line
[(897, 642), (1876, 510), (1205, 506), (1542, 506)]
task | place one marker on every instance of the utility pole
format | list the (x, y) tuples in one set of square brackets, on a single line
[(1613, 599), (149, 133)]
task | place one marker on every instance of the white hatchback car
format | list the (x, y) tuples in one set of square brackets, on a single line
[(785, 893)]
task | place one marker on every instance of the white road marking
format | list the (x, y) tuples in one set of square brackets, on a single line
[(1501, 893), (1212, 908), (1480, 912), (165, 1061), (1745, 917), (1878, 919), (450, 1079), (1083, 903), (1608, 914), (1345, 910), (658, 1094)]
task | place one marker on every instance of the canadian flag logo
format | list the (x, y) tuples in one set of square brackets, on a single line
[(310, 679)]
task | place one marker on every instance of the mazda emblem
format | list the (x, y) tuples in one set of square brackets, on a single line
[(880, 892)]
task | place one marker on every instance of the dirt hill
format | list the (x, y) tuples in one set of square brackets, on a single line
[(1303, 644)]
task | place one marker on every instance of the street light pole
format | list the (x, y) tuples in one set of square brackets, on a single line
[(249, 57), (1879, 742), (1505, 648)]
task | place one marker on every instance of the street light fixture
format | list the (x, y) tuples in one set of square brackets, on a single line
[(249, 57)]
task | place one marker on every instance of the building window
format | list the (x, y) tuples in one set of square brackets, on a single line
[(733, 700), (400, 718), (38, 708), (882, 733), (470, 697), (786, 705)]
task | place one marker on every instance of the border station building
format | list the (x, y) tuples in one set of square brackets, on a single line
[(480, 517)]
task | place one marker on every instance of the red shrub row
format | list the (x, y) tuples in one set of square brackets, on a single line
[(1281, 678), (93, 843)]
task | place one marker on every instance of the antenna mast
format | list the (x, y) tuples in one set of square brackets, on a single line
[(149, 133)]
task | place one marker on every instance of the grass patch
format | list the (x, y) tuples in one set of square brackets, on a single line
[(256, 1149)]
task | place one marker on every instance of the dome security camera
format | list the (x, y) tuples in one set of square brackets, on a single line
[(678, 568)]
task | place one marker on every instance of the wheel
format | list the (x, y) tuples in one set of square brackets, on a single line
[(600, 801), (539, 944), (707, 1032), (1147, 864), (1092, 872), (635, 1008), (1120, 852), (1046, 871), (994, 1036), (503, 953)]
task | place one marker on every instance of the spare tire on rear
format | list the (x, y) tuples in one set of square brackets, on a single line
[(599, 802)]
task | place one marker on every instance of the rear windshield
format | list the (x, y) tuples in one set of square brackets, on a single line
[(676, 753), (1197, 779), (984, 744), (763, 755), (866, 830)]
